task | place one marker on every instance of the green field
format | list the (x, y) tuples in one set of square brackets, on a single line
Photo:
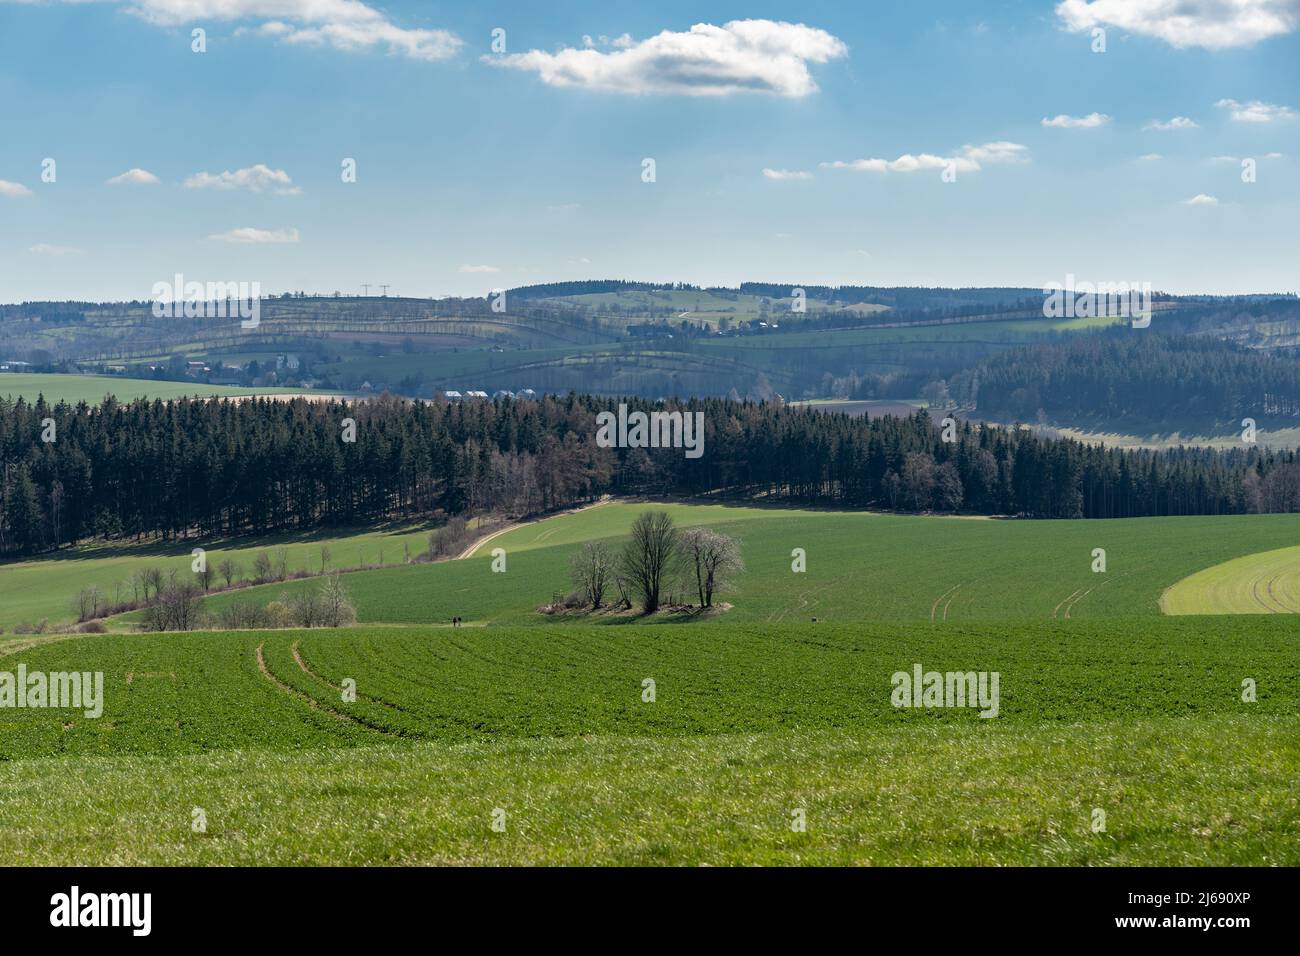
[(46, 587), (860, 566), (748, 725), (92, 389), (1264, 583), (757, 713)]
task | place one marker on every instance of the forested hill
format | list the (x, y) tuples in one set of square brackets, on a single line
[(1140, 383), (222, 467)]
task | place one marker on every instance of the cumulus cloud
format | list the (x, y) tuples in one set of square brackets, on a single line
[(1255, 111), (134, 177), (13, 190), (249, 235), (48, 249), (1201, 199), (742, 56), (1213, 24), (784, 174), (1178, 122), (968, 159), (341, 24), (255, 178), (478, 269), (1064, 121)]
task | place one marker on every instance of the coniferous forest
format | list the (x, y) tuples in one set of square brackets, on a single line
[(220, 467)]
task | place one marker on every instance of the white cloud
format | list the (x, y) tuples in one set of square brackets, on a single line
[(783, 174), (48, 249), (255, 178), (248, 235), (1256, 111), (1214, 24), (968, 159), (742, 56), (342, 24), (1200, 199), (1236, 159), (1150, 157), (478, 269), (13, 190), (1091, 121), (135, 177), (1178, 122)]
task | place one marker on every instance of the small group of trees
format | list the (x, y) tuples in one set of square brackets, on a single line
[(179, 608), (658, 558)]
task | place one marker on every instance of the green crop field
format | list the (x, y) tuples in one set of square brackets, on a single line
[(860, 566), (1264, 583), (94, 388), (757, 714), (747, 726)]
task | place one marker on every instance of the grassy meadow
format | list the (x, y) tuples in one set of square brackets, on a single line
[(759, 715), (93, 389), (860, 566), (747, 726)]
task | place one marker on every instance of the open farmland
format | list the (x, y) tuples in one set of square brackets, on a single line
[(93, 389), (860, 566), (46, 587), (1264, 583), (748, 723)]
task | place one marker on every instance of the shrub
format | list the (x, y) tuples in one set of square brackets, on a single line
[(277, 615)]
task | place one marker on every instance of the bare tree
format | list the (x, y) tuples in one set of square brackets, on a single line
[(177, 608), (336, 609), (205, 576), (149, 578), (324, 557), (262, 567), (230, 570), (591, 569), (281, 563), (713, 559), (87, 603), (648, 558)]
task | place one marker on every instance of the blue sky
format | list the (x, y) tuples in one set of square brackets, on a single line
[(531, 165)]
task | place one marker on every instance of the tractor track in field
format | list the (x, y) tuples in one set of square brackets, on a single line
[(776, 617), (312, 701), (325, 681), (949, 594)]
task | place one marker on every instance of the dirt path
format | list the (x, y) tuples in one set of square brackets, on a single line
[(478, 543)]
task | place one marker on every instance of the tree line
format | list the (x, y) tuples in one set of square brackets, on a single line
[(1134, 380), (215, 467)]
